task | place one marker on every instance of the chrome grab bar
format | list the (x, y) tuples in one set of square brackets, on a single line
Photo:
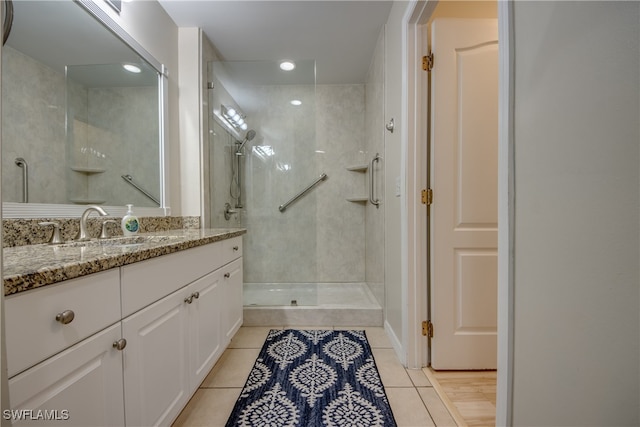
[(22, 163), (372, 182), (8, 20), (284, 206), (130, 180)]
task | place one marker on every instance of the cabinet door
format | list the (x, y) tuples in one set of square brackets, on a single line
[(81, 386), (233, 305), (204, 326), (156, 385)]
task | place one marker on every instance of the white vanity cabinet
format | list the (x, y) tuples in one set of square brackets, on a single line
[(155, 379), (173, 343), (232, 309), (206, 344), (142, 339), (33, 333), (81, 384)]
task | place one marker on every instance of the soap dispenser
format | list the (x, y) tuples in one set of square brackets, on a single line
[(129, 222)]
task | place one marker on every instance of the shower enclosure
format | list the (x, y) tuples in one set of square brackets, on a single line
[(297, 177)]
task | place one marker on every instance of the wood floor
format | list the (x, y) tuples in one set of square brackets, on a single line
[(472, 395)]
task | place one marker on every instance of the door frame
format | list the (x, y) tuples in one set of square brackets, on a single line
[(414, 212)]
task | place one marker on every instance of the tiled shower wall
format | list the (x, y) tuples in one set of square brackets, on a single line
[(319, 238)]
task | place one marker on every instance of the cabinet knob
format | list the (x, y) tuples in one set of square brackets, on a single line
[(120, 344), (235, 248), (189, 299), (196, 295), (227, 275), (65, 317)]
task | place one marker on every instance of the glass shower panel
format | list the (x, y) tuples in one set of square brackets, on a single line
[(252, 175)]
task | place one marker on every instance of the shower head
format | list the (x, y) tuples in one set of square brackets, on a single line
[(248, 137)]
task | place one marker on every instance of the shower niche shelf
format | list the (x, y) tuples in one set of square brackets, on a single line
[(358, 199), (362, 168), (86, 170), (358, 168)]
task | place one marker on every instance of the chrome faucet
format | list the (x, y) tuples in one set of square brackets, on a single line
[(82, 234)]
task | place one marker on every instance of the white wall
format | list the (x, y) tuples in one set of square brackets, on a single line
[(190, 90), (576, 285)]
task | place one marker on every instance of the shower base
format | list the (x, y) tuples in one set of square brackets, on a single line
[(310, 304)]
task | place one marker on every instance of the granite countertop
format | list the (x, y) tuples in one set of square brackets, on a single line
[(33, 266)]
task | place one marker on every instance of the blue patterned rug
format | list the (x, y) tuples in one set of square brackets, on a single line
[(313, 378)]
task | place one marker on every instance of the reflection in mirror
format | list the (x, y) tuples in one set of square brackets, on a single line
[(112, 124), (80, 121)]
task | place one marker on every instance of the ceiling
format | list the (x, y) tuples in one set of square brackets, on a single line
[(339, 35)]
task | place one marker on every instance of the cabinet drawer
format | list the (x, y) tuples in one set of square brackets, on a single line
[(148, 281), (32, 331), (231, 249)]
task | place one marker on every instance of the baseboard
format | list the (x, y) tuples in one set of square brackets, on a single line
[(396, 344)]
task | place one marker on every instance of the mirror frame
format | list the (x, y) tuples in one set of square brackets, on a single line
[(13, 210)]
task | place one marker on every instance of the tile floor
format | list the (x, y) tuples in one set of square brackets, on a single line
[(413, 400)]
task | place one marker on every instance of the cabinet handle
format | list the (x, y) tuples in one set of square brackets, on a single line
[(120, 344), (227, 275), (189, 299), (235, 248), (65, 317), (196, 295)]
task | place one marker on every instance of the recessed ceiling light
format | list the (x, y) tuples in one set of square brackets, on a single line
[(296, 102), (287, 65), (131, 68)]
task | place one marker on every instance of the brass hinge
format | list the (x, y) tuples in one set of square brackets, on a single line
[(427, 196), (427, 328), (427, 62)]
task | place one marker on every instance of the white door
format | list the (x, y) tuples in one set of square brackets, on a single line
[(464, 168)]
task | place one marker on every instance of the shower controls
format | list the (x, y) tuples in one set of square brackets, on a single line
[(228, 212)]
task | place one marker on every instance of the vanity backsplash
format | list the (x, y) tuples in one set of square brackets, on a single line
[(21, 232)]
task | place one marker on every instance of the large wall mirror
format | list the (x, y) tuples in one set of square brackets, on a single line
[(83, 108)]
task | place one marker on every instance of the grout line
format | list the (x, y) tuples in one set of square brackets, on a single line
[(455, 414)]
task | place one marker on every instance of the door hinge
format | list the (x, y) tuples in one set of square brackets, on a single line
[(427, 328), (427, 196), (427, 62)]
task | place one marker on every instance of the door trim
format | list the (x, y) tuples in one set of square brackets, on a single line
[(506, 213), (414, 215)]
